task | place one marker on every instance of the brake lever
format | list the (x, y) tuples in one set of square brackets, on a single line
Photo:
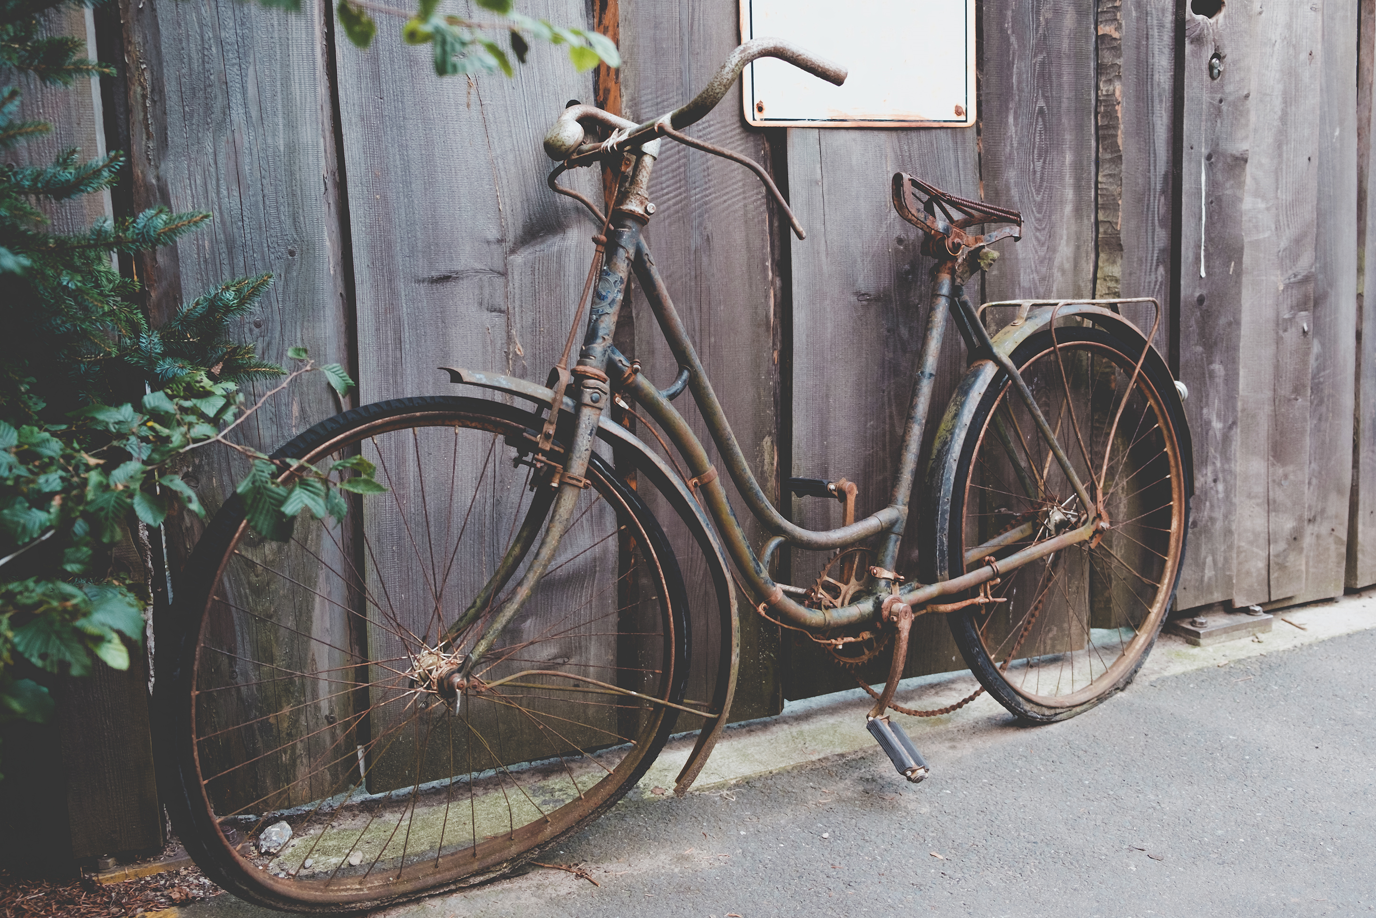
[(668, 131)]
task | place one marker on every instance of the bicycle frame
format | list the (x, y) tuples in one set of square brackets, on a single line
[(602, 369)]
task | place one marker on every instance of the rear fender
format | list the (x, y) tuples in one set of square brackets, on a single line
[(1039, 319)]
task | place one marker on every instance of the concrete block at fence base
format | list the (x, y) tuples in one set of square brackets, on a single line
[(1217, 627)]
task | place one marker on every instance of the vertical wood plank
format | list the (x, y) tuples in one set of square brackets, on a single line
[(110, 802), (1279, 225), (1334, 352), (860, 299), (75, 112), (463, 258), (1361, 542), (711, 239), (232, 114), (1217, 134), (1038, 143), (1148, 177)]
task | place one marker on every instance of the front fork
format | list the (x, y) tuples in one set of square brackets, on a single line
[(569, 471)]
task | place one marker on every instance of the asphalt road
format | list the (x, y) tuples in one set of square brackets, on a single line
[(1247, 789)]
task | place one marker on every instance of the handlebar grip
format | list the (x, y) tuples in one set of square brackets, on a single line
[(731, 68), (567, 133)]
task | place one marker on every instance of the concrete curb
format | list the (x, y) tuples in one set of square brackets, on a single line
[(834, 725)]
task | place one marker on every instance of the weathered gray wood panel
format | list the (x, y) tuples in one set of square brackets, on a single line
[(1217, 134), (1334, 354), (463, 257), (1361, 542), (232, 114), (75, 112), (860, 301), (711, 240), (1037, 149), (111, 801), (1146, 117), (1279, 224)]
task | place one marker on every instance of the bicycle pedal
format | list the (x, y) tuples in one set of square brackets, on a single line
[(899, 748)]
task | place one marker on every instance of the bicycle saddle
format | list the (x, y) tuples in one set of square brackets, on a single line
[(944, 216)]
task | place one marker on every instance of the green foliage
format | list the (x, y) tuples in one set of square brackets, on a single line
[(98, 405), (464, 46)]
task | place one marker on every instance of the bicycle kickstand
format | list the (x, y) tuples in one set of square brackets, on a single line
[(891, 737)]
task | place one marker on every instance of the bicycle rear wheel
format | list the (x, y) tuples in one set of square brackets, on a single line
[(1071, 629), (308, 684)]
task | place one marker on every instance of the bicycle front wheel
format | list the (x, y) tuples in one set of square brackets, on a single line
[(1073, 628), (324, 759)]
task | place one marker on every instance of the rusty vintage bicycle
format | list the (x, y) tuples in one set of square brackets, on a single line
[(483, 659)]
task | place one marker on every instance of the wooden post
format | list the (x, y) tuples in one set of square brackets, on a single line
[(1361, 543)]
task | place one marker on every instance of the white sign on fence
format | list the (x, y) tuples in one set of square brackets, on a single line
[(911, 62)]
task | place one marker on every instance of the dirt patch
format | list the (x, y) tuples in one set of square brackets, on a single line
[(25, 898)]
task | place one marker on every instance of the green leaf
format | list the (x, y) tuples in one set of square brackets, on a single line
[(183, 490), (24, 523), (9, 437), (113, 608), (359, 28), (499, 56), (427, 9), (496, 6), (75, 559), (519, 46), (49, 482), (416, 32), (127, 473), (583, 58), (150, 508), (362, 486), (297, 353), (605, 48), (536, 27), (357, 463), (339, 380), (26, 700), (53, 645), (263, 499), (42, 442), (113, 652), (335, 503), (210, 405), (159, 402), (307, 494)]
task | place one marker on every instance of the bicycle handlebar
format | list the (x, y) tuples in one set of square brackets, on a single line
[(565, 137)]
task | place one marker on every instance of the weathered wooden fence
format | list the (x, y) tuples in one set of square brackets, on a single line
[(1212, 155)]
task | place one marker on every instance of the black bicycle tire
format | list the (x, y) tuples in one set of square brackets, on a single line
[(196, 825), (945, 513)]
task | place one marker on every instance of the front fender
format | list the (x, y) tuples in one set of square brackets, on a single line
[(689, 510)]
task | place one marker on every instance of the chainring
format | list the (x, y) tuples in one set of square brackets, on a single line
[(843, 576)]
